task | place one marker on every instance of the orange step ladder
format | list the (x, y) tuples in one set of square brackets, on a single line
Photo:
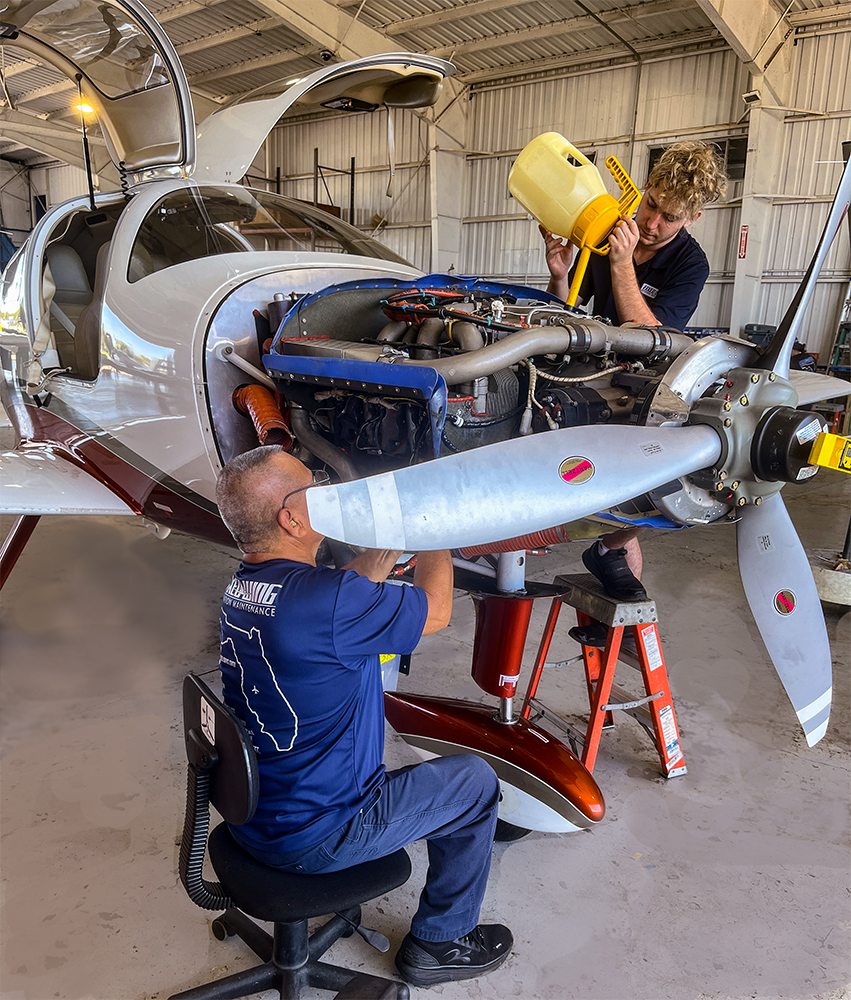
[(654, 711)]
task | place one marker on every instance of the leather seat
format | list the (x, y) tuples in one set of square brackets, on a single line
[(73, 291), (88, 328)]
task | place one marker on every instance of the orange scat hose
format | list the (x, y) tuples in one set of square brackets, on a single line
[(538, 539), (259, 403)]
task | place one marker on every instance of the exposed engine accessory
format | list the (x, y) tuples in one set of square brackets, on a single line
[(259, 403)]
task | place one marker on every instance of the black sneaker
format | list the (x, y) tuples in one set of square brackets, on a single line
[(596, 634), (426, 963), (612, 571)]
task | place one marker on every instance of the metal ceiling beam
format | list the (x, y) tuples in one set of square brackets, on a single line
[(820, 15), (230, 35), (182, 9), (20, 67), (603, 54), (550, 30), (650, 9), (329, 27), (28, 96), (263, 62), (58, 142)]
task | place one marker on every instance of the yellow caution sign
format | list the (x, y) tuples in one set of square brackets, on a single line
[(832, 451)]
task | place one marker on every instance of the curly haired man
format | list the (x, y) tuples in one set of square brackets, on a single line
[(654, 274)]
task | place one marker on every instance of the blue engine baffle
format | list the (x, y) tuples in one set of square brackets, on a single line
[(380, 378)]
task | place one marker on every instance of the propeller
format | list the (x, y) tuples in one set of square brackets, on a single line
[(509, 488), (528, 484), (779, 352), (785, 604)]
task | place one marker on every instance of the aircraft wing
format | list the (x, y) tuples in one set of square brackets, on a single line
[(812, 388), (44, 483)]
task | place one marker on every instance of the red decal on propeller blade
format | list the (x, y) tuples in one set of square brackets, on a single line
[(576, 470), (784, 602)]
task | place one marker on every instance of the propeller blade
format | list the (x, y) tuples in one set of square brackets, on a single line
[(782, 595), (812, 387), (779, 352), (509, 488)]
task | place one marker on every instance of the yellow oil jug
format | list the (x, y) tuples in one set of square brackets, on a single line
[(560, 187)]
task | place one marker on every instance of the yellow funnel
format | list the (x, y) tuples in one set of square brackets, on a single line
[(561, 188)]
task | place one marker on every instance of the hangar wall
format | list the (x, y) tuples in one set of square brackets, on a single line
[(599, 109), (696, 96), (402, 219), (692, 96), (807, 174), (687, 97)]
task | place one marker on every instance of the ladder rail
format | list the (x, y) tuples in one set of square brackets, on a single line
[(654, 711)]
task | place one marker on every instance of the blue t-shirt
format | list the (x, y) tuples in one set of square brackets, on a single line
[(300, 649), (670, 281)]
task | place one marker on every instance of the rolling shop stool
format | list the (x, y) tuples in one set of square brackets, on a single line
[(655, 711)]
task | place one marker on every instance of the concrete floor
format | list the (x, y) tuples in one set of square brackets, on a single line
[(731, 881)]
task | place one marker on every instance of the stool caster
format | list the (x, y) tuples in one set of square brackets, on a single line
[(221, 930)]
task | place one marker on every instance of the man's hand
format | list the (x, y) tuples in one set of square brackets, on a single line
[(559, 258), (629, 302), (374, 564), (623, 240)]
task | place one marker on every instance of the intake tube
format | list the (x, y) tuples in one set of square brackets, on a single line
[(322, 449), (536, 540), (257, 402), (586, 337)]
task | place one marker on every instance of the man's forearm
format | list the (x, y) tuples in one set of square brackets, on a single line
[(434, 574), (374, 564), (630, 303), (559, 287)]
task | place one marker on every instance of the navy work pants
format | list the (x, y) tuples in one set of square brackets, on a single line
[(451, 802)]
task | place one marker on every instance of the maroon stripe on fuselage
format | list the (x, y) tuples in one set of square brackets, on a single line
[(144, 494)]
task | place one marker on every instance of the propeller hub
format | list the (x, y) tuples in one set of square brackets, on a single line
[(782, 444), (765, 440)]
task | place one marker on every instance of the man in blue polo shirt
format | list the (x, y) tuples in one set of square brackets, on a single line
[(653, 274), (300, 647)]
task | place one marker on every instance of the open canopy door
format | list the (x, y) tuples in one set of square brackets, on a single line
[(129, 72), (229, 139)]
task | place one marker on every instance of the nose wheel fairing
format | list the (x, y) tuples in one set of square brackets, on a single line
[(532, 765)]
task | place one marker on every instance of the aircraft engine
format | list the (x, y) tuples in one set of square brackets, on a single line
[(514, 361)]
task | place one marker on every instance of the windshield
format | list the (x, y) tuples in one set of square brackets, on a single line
[(111, 48), (206, 220)]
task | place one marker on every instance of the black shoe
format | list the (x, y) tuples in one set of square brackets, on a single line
[(612, 571), (597, 633), (426, 963)]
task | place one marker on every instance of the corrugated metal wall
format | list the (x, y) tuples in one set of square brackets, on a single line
[(364, 137), (811, 158), (694, 96), (59, 183)]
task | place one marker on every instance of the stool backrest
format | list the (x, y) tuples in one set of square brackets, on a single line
[(217, 741)]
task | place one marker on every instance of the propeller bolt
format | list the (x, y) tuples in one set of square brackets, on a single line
[(719, 486), (727, 422), (722, 475), (728, 406), (772, 377), (754, 378), (744, 400), (734, 486), (758, 501), (742, 501)]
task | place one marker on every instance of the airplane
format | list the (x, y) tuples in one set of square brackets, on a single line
[(151, 334)]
